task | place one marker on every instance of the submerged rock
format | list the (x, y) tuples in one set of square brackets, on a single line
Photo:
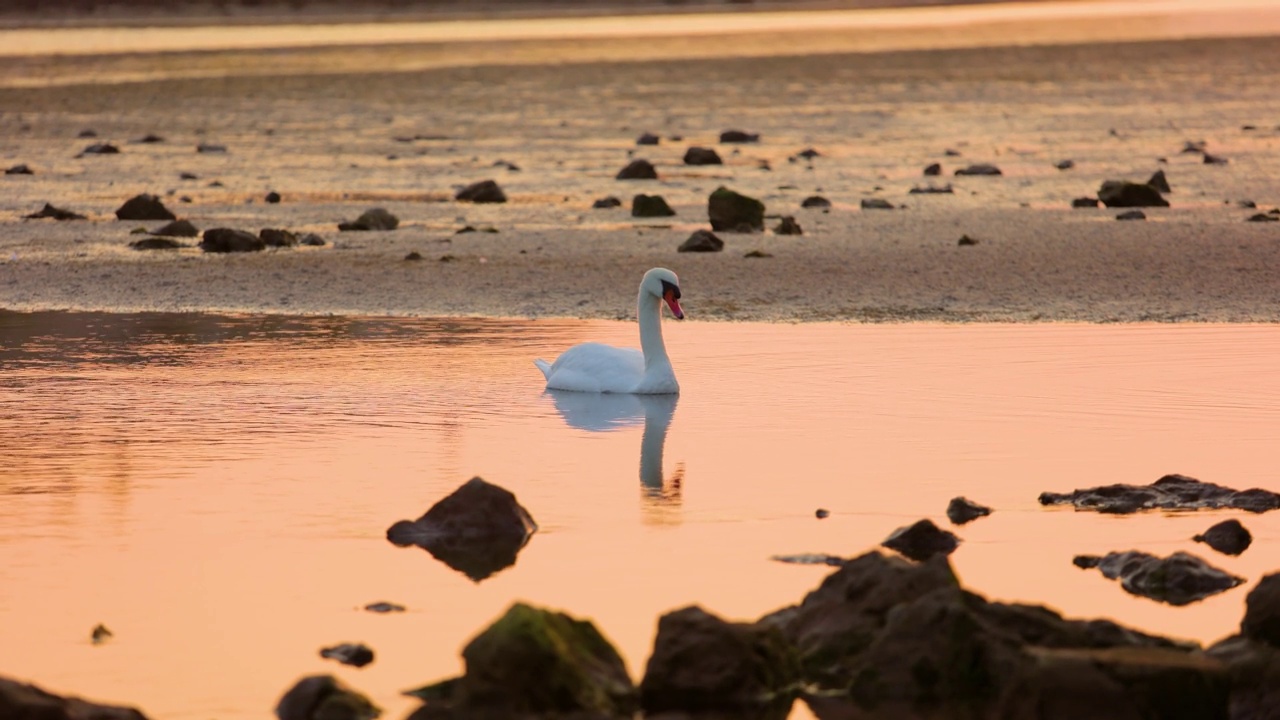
[(20, 701), (477, 530), (485, 191), (961, 510), (650, 206), (144, 207), (922, 540), (638, 170), (535, 663), (57, 213), (324, 697), (1122, 193), (735, 212), (701, 241), (371, 219), (1171, 492), (354, 654), (1180, 579), (1228, 537)]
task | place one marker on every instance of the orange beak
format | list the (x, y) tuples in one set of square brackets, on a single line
[(674, 304)]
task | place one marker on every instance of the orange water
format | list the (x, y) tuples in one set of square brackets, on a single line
[(216, 490)]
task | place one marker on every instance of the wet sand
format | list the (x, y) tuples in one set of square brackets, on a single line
[(339, 130)]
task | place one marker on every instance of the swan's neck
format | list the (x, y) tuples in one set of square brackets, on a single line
[(649, 309)]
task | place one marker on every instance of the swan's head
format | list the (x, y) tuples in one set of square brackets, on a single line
[(662, 283)]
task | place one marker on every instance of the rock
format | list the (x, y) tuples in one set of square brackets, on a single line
[(87, 133), (933, 169), (312, 239), (20, 701), (535, 663), (1065, 164), (1084, 202), (1159, 182), (1262, 612), (384, 607), (371, 219), (1214, 159), (100, 149), (648, 139), (20, 169), (156, 243), (1194, 146), (638, 170), (100, 634), (413, 256), (275, 237), (1254, 670), (144, 207), (808, 154), (177, 228), (1246, 204), (961, 510), (188, 176), (922, 540), (57, 213), (354, 654), (1132, 215), (485, 191), (701, 663), (979, 169), (1228, 537), (1262, 217), (210, 148), (1179, 579), (1121, 193), (477, 530), (701, 241), (702, 156), (810, 558), (227, 240), (875, 204), (1171, 492), (738, 136), (932, 190), (272, 197), (731, 211), (650, 206), (951, 152), (821, 513), (149, 139), (788, 226), (606, 203), (751, 254), (815, 201), (964, 241), (324, 697)]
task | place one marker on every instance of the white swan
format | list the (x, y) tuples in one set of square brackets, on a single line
[(594, 367)]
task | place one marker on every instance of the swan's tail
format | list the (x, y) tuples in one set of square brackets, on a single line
[(544, 366)]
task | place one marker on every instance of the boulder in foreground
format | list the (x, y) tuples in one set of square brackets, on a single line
[(20, 701), (477, 530), (1171, 492), (324, 697)]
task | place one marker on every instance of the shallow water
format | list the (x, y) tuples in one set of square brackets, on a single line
[(216, 490)]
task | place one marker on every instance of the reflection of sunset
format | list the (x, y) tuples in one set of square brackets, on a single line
[(220, 502)]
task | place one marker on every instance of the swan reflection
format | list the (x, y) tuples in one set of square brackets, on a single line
[(606, 412)]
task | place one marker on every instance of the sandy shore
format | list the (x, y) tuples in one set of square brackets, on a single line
[(335, 144)]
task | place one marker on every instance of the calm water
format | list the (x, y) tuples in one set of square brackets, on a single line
[(216, 490)]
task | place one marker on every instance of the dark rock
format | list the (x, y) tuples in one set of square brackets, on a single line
[(312, 240), (808, 154), (738, 136), (1159, 182), (962, 510), (965, 241), (57, 213), (272, 197), (1132, 215), (1254, 670), (87, 133), (922, 540), (701, 241), (1194, 146), (732, 211), (810, 558), (1263, 217), (1262, 612), (788, 226), (821, 513), (979, 169), (20, 169), (144, 207), (1085, 202), (1121, 193), (815, 201), (100, 149), (876, 204), (210, 148), (1214, 159), (177, 228), (931, 190), (371, 219), (1246, 204), (324, 697), (485, 191), (188, 176), (648, 139), (702, 156), (650, 206), (227, 240), (606, 203), (156, 243), (100, 634), (1171, 492), (216, 184), (535, 663), (149, 139), (275, 237), (384, 607), (951, 152), (413, 256), (477, 530), (638, 170), (1065, 164), (750, 254), (1179, 579), (20, 701), (933, 169), (701, 663), (1228, 537), (354, 654)]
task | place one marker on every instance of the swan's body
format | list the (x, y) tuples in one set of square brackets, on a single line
[(599, 368)]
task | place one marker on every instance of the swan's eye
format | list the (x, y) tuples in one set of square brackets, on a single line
[(669, 289)]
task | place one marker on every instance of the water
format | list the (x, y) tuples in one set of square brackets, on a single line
[(216, 489)]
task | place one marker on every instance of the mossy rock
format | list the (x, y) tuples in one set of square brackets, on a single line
[(734, 212)]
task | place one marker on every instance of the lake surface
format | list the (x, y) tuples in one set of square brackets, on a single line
[(216, 490)]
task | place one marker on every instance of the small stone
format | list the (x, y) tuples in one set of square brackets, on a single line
[(384, 607), (57, 213), (966, 241), (979, 169), (739, 136), (1263, 217), (485, 191), (876, 204), (788, 226), (1159, 182), (951, 152), (188, 176), (371, 219), (1214, 159), (1085, 202), (606, 203), (272, 197), (354, 654), (312, 240), (413, 256), (1194, 146), (821, 513), (701, 241), (922, 541), (961, 510), (933, 169), (809, 154), (156, 243), (702, 156), (1246, 204), (144, 207), (275, 237), (648, 139), (100, 149), (1132, 215), (210, 148), (150, 138), (20, 169), (177, 228), (932, 190), (650, 206), (753, 254), (100, 634), (1228, 537), (1065, 164), (87, 133), (815, 201), (638, 170)]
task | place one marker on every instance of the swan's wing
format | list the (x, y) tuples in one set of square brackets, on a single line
[(594, 367), (544, 366)]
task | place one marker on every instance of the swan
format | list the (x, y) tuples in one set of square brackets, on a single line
[(599, 368)]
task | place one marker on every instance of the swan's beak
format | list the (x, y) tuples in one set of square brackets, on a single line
[(670, 296)]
